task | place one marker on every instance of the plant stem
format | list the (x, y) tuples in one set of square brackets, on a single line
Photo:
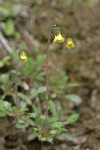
[(47, 75), (16, 85)]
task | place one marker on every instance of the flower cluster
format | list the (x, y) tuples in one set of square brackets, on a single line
[(58, 38)]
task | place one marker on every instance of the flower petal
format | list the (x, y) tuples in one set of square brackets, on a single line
[(58, 38), (70, 43), (23, 56)]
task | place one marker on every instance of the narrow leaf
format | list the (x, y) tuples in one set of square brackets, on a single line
[(57, 125), (41, 89), (39, 61), (74, 98), (52, 107), (73, 118), (9, 27)]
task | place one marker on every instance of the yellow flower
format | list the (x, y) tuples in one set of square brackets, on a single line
[(70, 43), (23, 56), (58, 39)]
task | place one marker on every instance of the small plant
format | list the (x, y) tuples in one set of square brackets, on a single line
[(47, 121), (53, 125)]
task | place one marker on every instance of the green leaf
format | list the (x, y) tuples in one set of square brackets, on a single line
[(52, 119), (41, 89), (40, 61), (17, 35), (24, 97), (28, 69), (66, 136), (53, 132), (60, 114), (64, 79), (38, 119), (4, 79), (4, 11), (9, 28), (21, 124), (1, 64), (24, 45), (73, 85), (57, 125), (31, 122), (73, 118), (15, 54), (2, 114), (5, 106), (8, 10), (52, 107), (74, 98), (41, 75), (5, 61), (33, 93), (36, 109), (36, 129), (43, 121)]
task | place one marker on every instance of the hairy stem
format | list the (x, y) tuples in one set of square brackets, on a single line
[(47, 76), (16, 86)]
